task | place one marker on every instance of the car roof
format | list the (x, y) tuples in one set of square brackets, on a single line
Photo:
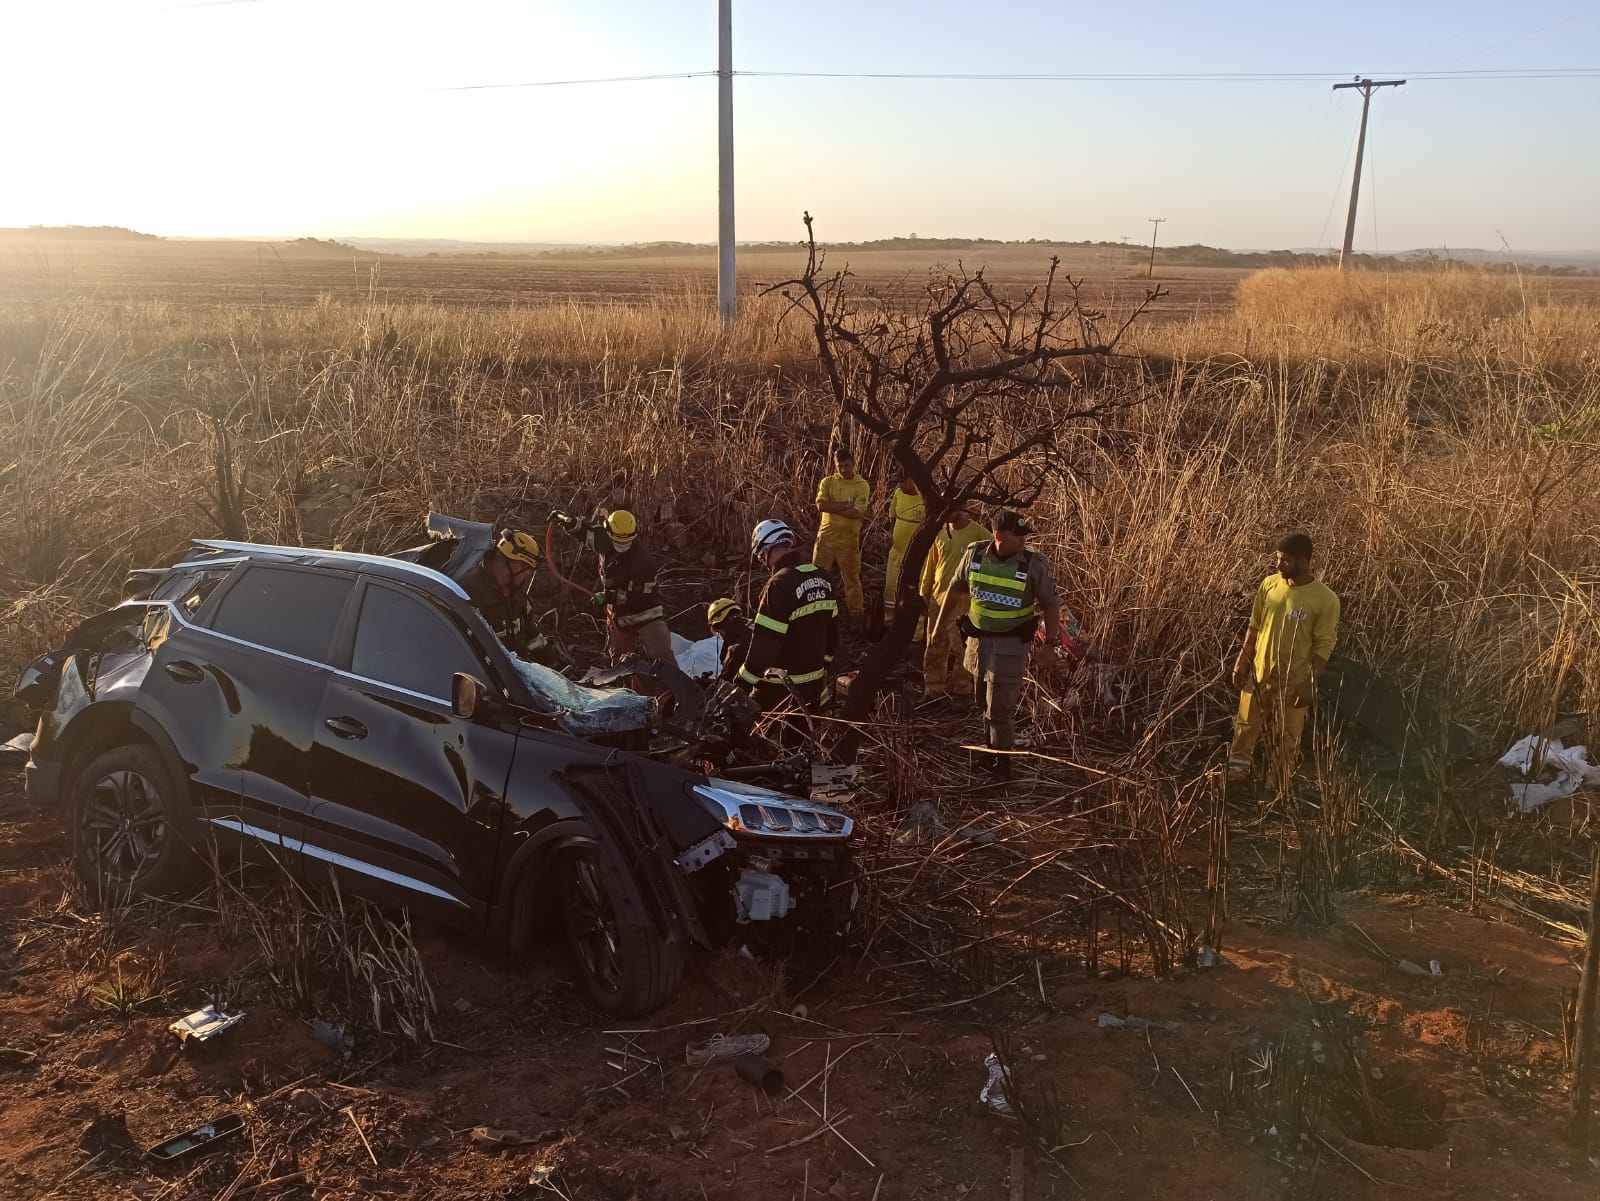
[(398, 570)]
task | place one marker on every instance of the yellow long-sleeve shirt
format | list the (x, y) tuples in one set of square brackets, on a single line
[(908, 509), (1293, 625), (837, 488), (944, 558)]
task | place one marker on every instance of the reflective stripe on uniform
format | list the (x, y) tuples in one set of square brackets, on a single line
[(821, 606), (807, 677), (805, 567), (772, 623)]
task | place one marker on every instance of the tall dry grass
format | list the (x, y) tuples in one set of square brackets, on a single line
[(1435, 434)]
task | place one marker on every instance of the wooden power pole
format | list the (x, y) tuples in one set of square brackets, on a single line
[(727, 281), (1367, 87), (1155, 229)]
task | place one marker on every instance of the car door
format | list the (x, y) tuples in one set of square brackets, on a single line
[(243, 691), (408, 800)]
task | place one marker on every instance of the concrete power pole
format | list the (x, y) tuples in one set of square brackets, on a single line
[(727, 294), (1155, 229), (1367, 87)]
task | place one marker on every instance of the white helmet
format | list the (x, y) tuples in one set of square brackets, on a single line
[(769, 534)]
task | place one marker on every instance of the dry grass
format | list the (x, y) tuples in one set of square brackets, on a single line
[(1435, 433)]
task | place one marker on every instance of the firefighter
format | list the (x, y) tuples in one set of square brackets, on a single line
[(725, 618), (843, 499), (634, 614), (908, 509), (1003, 586), (500, 587), (942, 662), (797, 622)]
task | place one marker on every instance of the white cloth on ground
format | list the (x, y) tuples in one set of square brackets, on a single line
[(1570, 765)]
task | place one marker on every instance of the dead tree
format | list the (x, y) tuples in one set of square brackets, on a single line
[(970, 391)]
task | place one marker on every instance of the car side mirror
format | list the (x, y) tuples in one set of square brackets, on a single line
[(469, 696)]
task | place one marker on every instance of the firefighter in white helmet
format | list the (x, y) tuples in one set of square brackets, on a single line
[(796, 627)]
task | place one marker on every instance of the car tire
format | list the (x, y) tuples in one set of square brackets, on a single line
[(629, 970), (129, 823)]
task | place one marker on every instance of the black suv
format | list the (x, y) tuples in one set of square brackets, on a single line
[(354, 715)]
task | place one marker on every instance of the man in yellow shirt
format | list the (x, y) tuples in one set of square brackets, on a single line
[(944, 636), (907, 509), (843, 500), (1294, 625)]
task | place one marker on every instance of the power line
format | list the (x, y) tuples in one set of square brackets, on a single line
[(1179, 76), (565, 83), (998, 77)]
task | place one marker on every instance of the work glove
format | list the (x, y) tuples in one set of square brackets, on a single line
[(566, 521), (599, 599)]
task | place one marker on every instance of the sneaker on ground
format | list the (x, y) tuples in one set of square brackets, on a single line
[(724, 1046)]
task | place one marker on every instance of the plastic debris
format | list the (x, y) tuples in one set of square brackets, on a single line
[(698, 660), (759, 1071), (1113, 1022), (994, 1091), (1205, 957), (1568, 767), (22, 744), (336, 1036), (205, 1024), (1434, 968)]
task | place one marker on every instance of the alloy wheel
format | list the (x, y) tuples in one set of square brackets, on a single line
[(595, 929), (123, 826)]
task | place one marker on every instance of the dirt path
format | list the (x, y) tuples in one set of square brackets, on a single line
[(1468, 1065)]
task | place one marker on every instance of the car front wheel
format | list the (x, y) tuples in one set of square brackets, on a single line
[(628, 969), (128, 825)]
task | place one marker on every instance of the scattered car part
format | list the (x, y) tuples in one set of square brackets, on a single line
[(205, 1024), (759, 1071), (196, 1141)]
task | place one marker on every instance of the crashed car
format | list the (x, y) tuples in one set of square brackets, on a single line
[(353, 715)]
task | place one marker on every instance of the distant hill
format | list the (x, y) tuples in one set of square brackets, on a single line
[(452, 246), (81, 233)]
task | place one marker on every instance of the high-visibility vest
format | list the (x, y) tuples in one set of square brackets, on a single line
[(1001, 592)]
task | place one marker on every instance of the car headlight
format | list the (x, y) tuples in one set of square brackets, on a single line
[(748, 810)]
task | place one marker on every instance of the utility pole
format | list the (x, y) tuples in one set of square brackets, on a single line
[(1155, 223), (1367, 87), (727, 295)]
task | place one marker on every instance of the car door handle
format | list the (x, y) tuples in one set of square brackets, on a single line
[(346, 727), (185, 672)]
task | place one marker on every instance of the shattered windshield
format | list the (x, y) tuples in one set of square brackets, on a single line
[(585, 712)]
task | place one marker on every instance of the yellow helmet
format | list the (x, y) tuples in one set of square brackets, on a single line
[(720, 610), (520, 547), (622, 527)]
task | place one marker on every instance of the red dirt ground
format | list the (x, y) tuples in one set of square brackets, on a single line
[(1144, 1113)]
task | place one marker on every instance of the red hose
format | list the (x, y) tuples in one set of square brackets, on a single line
[(550, 558)]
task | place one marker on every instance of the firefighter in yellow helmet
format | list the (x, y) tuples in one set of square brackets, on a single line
[(501, 588), (634, 614), (725, 618)]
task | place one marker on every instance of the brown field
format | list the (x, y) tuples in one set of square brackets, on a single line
[(285, 275), (1436, 434)]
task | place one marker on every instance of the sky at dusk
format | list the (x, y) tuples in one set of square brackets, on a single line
[(358, 118)]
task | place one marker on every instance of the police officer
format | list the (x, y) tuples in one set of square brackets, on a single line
[(796, 628), (1004, 587)]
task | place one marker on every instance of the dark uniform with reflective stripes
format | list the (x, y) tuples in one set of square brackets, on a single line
[(1004, 598), (796, 629), (628, 591), (510, 615)]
